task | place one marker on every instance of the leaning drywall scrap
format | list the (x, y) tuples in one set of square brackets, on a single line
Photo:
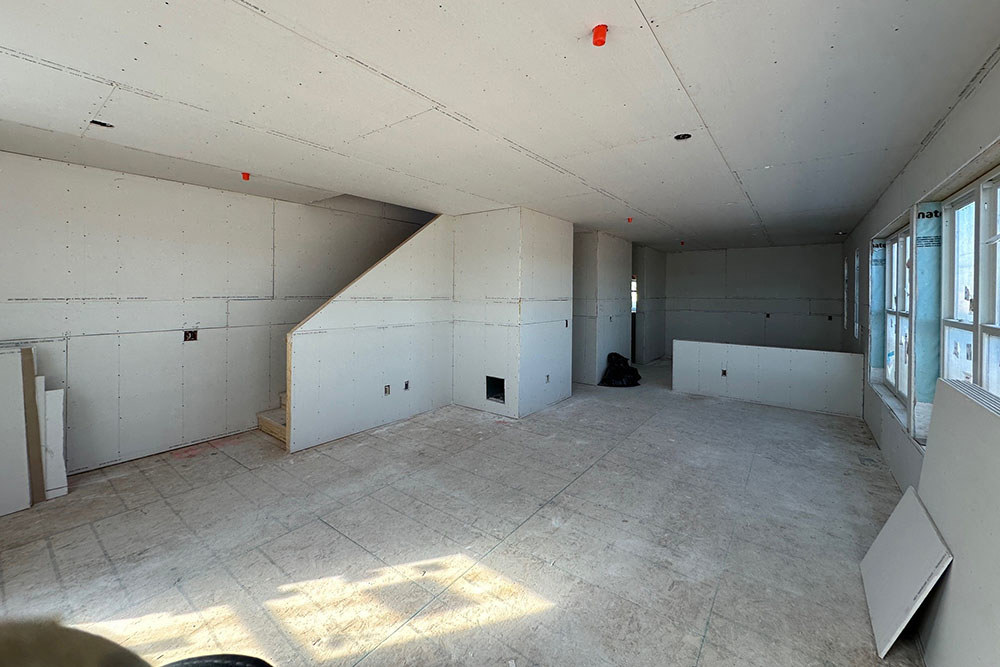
[(381, 349), (958, 484)]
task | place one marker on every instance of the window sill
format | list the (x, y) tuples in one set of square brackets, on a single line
[(898, 410)]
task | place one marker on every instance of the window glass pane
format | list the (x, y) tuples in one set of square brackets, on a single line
[(890, 349), (902, 356), (965, 249), (845, 293), (958, 354), (857, 293), (991, 368), (907, 265), (893, 262), (993, 255), (635, 294)]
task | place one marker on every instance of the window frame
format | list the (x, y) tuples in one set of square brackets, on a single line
[(899, 306), (984, 194), (857, 293)]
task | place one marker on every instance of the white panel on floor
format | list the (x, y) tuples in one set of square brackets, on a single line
[(203, 393), (55, 440), (958, 485), (15, 493), (801, 379), (150, 385), (900, 569), (92, 402)]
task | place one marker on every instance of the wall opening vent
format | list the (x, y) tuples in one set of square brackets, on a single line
[(494, 389)]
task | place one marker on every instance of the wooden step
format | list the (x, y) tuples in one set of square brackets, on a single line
[(283, 397), (273, 423)]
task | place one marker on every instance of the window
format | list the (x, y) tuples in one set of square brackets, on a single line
[(846, 276), (857, 292), (898, 280), (635, 293), (971, 312)]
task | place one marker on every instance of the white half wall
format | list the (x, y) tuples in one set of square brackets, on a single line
[(392, 327), (104, 271), (801, 379), (649, 267), (602, 304), (788, 296)]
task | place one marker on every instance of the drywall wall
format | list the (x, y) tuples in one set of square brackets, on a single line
[(649, 268), (901, 452), (105, 271), (602, 309), (484, 294), (803, 379), (546, 305), (958, 485), (788, 296), (513, 291), (487, 299), (963, 146), (381, 349)]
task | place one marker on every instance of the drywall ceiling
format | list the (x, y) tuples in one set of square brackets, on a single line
[(801, 111)]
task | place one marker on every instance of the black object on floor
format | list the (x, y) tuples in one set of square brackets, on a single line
[(619, 373), (221, 660)]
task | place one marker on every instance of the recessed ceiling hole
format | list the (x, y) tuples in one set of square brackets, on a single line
[(682, 136), (101, 123)]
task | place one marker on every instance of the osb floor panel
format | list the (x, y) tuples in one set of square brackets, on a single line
[(622, 526)]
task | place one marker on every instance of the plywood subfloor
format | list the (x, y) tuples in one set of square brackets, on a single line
[(622, 526)]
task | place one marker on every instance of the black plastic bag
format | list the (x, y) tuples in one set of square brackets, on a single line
[(619, 373)]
